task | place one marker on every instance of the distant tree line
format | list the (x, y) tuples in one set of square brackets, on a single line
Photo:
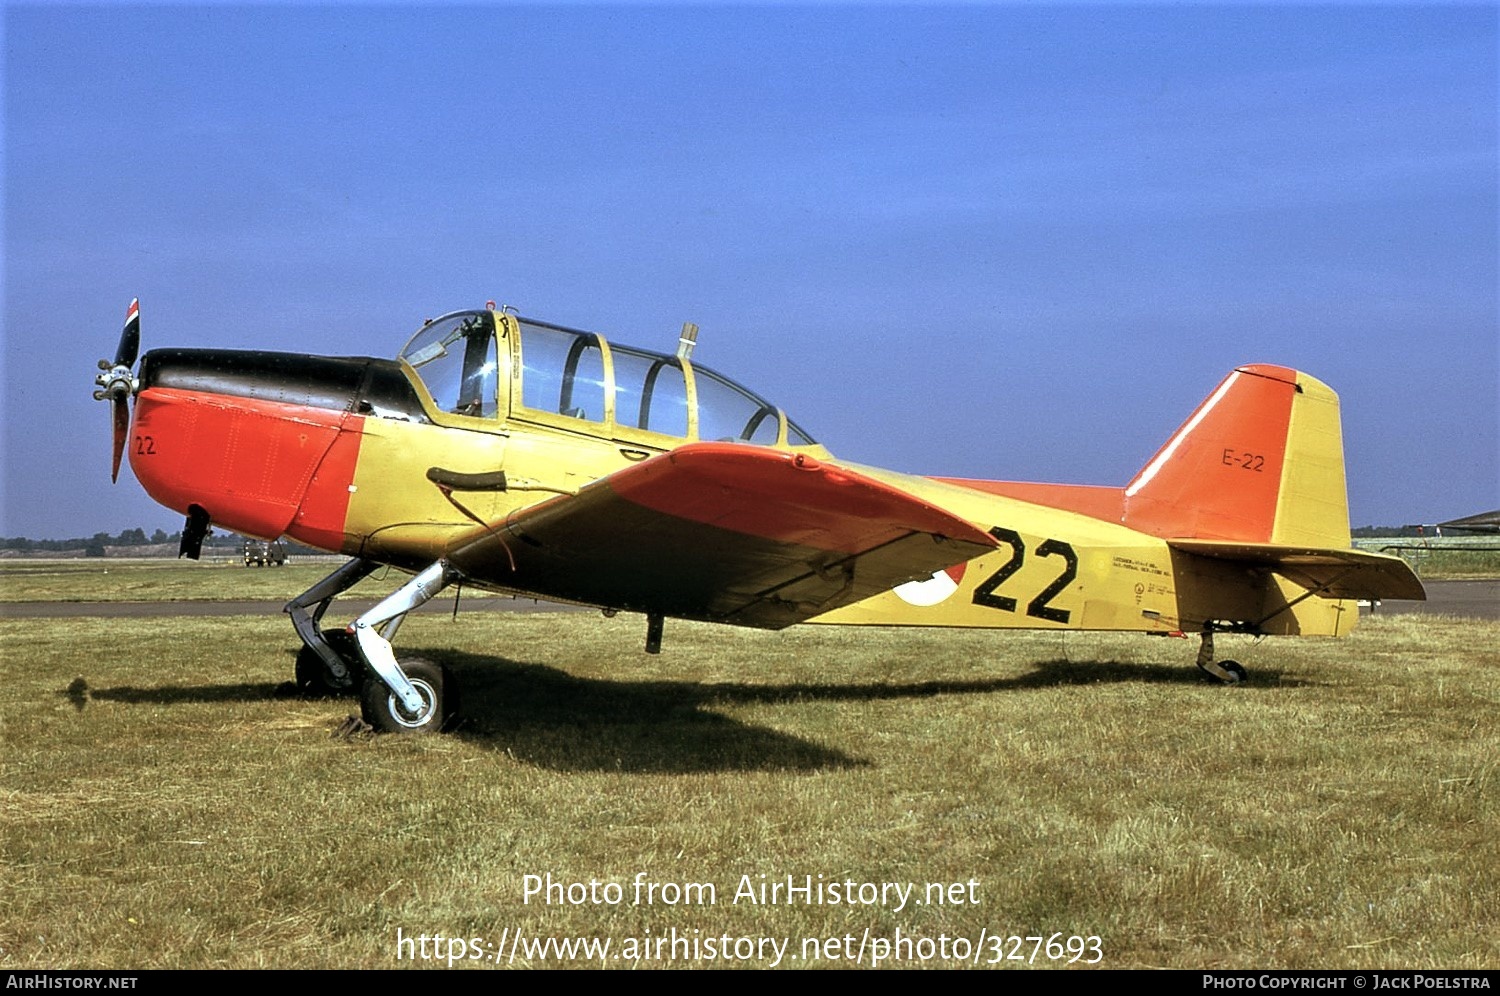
[(1375, 532), (98, 541), (94, 546)]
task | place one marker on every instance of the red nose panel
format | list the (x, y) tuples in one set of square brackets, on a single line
[(248, 462), (321, 516)]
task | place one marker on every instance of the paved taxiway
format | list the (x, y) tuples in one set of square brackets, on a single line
[(1477, 599)]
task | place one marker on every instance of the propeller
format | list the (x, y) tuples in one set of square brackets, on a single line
[(117, 384)]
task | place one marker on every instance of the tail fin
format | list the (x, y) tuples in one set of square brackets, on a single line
[(1254, 478), (1261, 461)]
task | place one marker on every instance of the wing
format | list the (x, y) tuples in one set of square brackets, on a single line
[(722, 532), (1330, 573)]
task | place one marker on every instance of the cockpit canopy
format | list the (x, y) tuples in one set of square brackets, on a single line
[(488, 365)]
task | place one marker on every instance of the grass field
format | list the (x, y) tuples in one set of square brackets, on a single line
[(1448, 558), (174, 810)]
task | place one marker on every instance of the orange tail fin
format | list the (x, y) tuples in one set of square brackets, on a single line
[(1260, 461)]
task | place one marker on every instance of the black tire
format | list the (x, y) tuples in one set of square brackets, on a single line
[(313, 677), (382, 710), (1237, 669)]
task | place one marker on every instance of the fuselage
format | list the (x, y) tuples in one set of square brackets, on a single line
[(349, 454)]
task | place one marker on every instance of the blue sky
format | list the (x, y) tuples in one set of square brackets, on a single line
[(1016, 242)]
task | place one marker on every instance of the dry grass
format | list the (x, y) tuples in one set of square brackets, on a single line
[(1339, 811)]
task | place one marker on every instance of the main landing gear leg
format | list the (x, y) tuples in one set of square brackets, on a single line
[(328, 663), (405, 697), (1227, 672)]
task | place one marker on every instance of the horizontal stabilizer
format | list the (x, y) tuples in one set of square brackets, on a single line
[(1330, 573), (1484, 522)]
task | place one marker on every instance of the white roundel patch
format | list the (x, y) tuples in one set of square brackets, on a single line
[(932, 591)]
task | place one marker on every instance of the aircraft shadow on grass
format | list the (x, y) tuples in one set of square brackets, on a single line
[(544, 716)]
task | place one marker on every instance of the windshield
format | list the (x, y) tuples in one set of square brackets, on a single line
[(455, 357)]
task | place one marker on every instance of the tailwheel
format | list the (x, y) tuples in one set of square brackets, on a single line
[(1224, 672), (384, 710), (314, 678)]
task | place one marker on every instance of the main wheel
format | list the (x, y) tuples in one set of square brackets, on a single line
[(383, 710), (315, 681), (1235, 668)]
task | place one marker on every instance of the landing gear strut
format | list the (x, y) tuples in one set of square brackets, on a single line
[(1226, 672), (412, 696), (403, 697), (329, 661)]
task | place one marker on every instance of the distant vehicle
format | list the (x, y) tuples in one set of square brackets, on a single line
[(263, 553)]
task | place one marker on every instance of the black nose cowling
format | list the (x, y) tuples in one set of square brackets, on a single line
[(356, 384)]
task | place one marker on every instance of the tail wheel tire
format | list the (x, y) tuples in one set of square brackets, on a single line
[(315, 681), (382, 709)]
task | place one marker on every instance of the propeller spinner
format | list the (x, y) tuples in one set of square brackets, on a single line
[(117, 384)]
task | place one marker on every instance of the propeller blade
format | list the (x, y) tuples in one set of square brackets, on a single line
[(121, 409), (130, 336), (116, 385)]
